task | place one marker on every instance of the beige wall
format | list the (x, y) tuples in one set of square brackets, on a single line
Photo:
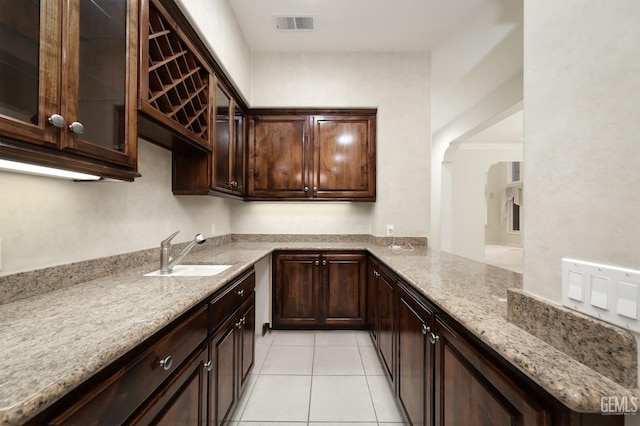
[(398, 85), (582, 127), (217, 26), (46, 221)]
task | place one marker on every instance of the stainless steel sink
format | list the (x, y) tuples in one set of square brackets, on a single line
[(191, 271)]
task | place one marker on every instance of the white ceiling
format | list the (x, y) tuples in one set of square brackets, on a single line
[(355, 25), (489, 33)]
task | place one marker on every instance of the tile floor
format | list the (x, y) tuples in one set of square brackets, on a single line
[(506, 257), (321, 378)]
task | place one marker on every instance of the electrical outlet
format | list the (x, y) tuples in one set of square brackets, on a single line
[(213, 229), (389, 230)]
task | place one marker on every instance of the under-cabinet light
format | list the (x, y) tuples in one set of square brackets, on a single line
[(32, 169)]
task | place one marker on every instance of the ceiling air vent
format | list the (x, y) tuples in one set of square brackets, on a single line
[(293, 23)]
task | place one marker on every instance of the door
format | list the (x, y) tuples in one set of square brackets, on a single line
[(386, 313), (344, 286), (372, 298), (246, 342), (415, 360), (222, 380), (471, 390), (238, 157), (296, 290), (222, 143), (99, 79), (182, 400), (343, 157), (30, 37), (278, 158)]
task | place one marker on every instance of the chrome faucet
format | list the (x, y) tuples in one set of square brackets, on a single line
[(166, 261)]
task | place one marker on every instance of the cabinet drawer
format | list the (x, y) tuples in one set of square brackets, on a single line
[(230, 299), (114, 400)]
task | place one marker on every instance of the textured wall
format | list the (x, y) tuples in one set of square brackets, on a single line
[(46, 221), (215, 22), (582, 147), (398, 85)]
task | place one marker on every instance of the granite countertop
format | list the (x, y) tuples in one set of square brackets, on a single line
[(54, 341)]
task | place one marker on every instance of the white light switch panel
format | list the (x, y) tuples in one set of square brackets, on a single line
[(606, 292)]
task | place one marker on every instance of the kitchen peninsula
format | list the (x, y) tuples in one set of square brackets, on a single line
[(80, 330)]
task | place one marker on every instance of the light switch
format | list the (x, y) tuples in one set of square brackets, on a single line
[(576, 286), (599, 292), (628, 299)]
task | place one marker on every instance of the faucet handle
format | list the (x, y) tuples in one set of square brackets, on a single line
[(166, 242)]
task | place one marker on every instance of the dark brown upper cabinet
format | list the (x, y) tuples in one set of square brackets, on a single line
[(312, 155), (68, 83), (220, 172), (228, 151), (177, 86)]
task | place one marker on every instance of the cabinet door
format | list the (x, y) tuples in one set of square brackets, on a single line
[(182, 400), (386, 313), (471, 390), (99, 79), (278, 158), (238, 157), (246, 341), (344, 289), (30, 40), (296, 294), (372, 298), (344, 157), (222, 380), (222, 148), (415, 360)]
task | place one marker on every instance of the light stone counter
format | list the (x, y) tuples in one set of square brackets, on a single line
[(54, 341)]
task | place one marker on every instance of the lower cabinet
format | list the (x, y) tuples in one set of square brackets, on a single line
[(443, 375), (231, 350), (319, 290), (415, 376), (470, 389), (183, 399), (231, 353), (190, 373)]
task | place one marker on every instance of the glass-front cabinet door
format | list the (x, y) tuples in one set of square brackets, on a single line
[(238, 153), (222, 142), (99, 86), (29, 70)]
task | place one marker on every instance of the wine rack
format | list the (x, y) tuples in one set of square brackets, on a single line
[(178, 81)]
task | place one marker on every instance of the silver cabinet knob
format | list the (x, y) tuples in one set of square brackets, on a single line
[(324, 263), (306, 189), (425, 329), (208, 366), (240, 292), (57, 120), (434, 338), (166, 363), (317, 262), (76, 127), (315, 189)]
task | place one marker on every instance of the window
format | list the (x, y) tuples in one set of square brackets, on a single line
[(513, 171), (514, 217)]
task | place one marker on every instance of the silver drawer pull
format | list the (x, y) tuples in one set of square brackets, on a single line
[(166, 363), (425, 329), (434, 338), (209, 365), (240, 292)]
